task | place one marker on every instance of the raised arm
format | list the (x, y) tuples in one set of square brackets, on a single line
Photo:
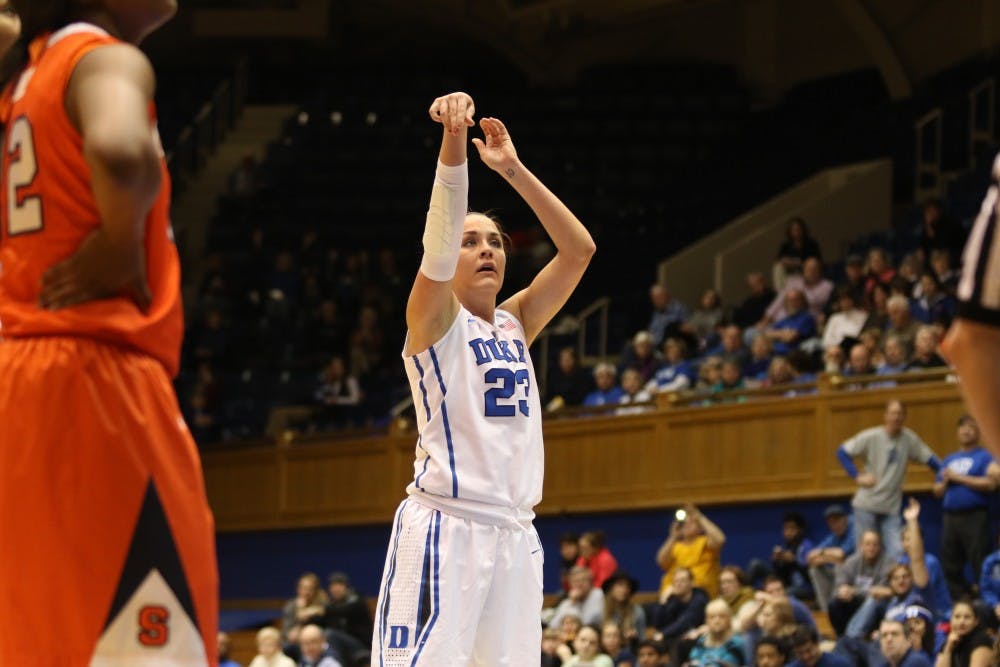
[(716, 538), (664, 555), (918, 565), (538, 303), (432, 305), (107, 99)]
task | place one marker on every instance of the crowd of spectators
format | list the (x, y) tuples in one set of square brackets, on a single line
[(273, 327), (292, 319), (866, 316), (319, 628), (318, 326), (888, 601), (880, 596)]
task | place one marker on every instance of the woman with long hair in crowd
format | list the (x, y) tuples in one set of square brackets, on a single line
[(969, 643), (621, 609), (308, 606), (614, 645)]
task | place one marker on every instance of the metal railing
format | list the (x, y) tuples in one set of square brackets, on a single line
[(199, 138), (928, 155), (982, 118), (826, 383), (541, 345), (580, 323)]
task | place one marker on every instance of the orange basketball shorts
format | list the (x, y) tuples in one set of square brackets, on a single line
[(107, 551)]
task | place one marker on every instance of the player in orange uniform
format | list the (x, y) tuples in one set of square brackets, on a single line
[(106, 539)]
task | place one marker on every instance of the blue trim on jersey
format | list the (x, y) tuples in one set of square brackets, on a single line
[(427, 410), (423, 389), (420, 444), (423, 591), (436, 557), (383, 614), (447, 427)]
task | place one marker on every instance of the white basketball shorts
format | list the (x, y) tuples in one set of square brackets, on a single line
[(458, 592)]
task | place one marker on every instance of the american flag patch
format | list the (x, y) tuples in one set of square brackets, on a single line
[(507, 325)]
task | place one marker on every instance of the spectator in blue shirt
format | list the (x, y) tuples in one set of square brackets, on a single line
[(989, 583), (668, 313), (774, 589), (761, 353), (805, 646), (607, 392), (798, 325), (731, 346), (966, 482), (895, 647), (901, 594), (923, 633), (770, 652), (934, 304), (677, 372), (790, 559), (831, 551), (895, 356), (928, 575), (224, 645)]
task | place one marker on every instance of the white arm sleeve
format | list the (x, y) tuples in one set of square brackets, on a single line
[(445, 220)]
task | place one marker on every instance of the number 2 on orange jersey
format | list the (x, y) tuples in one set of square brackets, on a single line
[(24, 215)]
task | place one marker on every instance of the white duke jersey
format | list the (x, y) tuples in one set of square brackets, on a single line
[(479, 419)]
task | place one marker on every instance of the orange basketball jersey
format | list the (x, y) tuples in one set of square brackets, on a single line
[(47, 208)]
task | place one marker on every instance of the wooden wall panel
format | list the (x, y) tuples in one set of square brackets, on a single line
[(243, 487), (768, 449), (329, 483)]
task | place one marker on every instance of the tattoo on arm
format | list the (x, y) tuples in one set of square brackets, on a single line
[(510, 173)]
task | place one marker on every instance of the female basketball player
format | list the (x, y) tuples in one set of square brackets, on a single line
[(973, 342), (463, 577), (106, 538)]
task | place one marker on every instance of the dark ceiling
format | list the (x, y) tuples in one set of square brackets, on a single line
[(773, 44)]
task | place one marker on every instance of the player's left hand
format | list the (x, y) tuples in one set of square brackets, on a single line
[(455, 111), (97, 270), (497, 151)]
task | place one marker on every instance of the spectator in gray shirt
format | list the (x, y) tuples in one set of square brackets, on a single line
[(866, 568), (885, 451), (583, 599)]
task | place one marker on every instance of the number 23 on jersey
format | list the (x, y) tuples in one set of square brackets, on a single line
[(509, 382)]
